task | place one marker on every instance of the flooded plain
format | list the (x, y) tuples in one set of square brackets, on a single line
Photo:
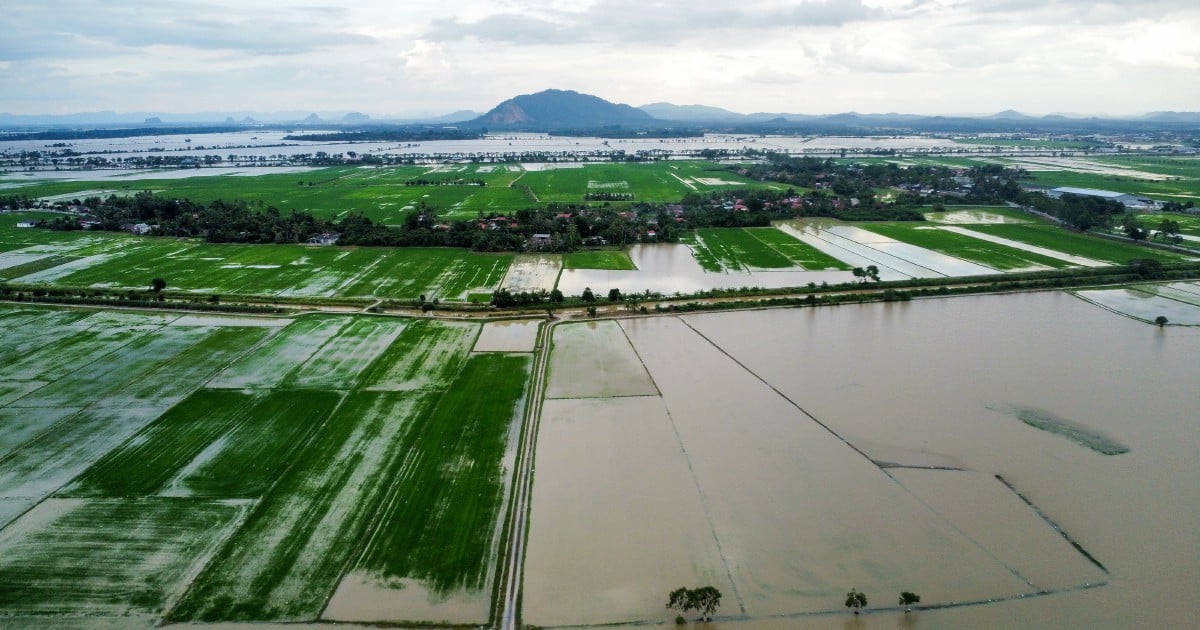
[(794, 454), (670, 268)]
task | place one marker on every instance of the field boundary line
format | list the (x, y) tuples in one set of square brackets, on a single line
[(780, 393), (712, 527), (962, 533)]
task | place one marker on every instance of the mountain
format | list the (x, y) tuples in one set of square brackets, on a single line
[(456, 116), (355, 118), (561, 109), (1174, 117), (1009, 114), (690, 113)]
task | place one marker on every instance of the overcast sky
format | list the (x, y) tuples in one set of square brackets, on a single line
[(416, 56)]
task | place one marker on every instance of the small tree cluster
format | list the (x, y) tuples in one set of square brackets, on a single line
[(705, 599), (856, 599)]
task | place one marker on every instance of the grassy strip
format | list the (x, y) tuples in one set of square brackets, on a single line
[(111, 558), (427, 353), (261, 446), (192, 367), (599, 259), (85, 383), (286, 561), (1179, 189), (703, 255), (146, 463), (1061, 240), (270, 364), (440, 525), (337, 364), (797, 251), (35, 266), (993, 255)]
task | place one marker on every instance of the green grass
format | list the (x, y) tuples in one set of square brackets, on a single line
[(283, 353), (797, 251), (721, 249), (1168, 190), (648, 182), (114, 558), (1061, 240), (144, 465), (599, 259), (1188, 223), (428, 353), (337, 364), (439, 526), (416, 473), (257, 449), (175, 378), (983, 252), (91, 381), (287, 559)]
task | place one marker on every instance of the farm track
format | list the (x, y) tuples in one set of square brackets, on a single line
[(513, 557)]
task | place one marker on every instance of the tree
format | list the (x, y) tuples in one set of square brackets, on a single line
[(614, 295), (1161, 320), (907, 599), (859, 273), (588, 296), (705, 599), (872, 272), (157, 285), (856, 600), (679, 599)]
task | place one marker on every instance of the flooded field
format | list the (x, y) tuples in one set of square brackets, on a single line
[(790, 455)]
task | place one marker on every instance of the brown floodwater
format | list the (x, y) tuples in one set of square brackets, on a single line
[(779, 419)]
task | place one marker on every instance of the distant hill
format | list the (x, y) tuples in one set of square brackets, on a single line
[(1009, 114), (461, 115), (1174, 117), (560, 109), (690, 113)]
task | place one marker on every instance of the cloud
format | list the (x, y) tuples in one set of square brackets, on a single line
[(651, 22), (72, 29)]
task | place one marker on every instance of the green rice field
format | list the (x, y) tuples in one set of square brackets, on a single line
[(1061, 240), (218, 468), (983, 252), (113, 260), (605, 259), (720, 249), (659, 181)]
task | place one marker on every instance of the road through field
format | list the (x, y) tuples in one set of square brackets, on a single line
[(518, 528)]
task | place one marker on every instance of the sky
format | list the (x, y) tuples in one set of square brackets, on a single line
[(416, 57)]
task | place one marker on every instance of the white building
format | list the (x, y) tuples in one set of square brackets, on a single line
[(1133, 202)]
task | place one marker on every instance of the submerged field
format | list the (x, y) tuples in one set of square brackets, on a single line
[(225, 468), (787, 470), (113, 260)]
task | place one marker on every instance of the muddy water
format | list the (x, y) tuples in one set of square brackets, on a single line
[(509, 336), (670, 268), (617, 519), (595, 360), (927, 378)]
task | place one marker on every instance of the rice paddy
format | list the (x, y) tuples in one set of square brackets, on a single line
[(236, 469)]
